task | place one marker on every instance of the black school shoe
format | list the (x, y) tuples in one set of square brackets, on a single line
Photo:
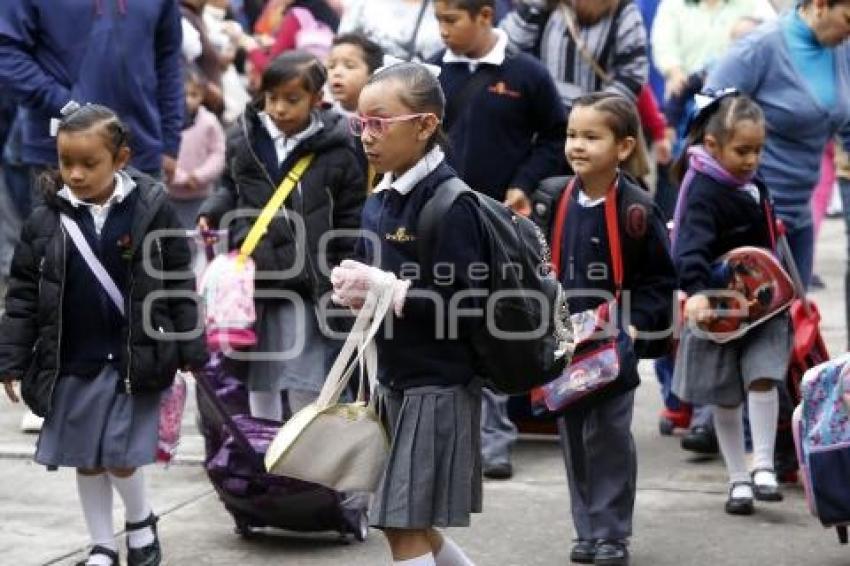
[(502, 471), (583, 552), (102, 550), (611, 553), (150, 555), (766, 492), (739, 505), (702, 440)]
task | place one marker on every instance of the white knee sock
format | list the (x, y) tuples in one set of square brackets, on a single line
[(136, 506), (729, 427), (266, 405), (424, 560), (450, 554), (96, 500), (764, 412)]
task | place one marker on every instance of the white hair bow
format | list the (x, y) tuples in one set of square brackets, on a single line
[(390, 61)]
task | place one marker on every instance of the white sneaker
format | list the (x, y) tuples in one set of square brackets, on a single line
[(31, 422)]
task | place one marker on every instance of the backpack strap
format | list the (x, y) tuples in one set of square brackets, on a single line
[(635, 209), (431, 216), (611, 40), (769, 215), (261, 225)]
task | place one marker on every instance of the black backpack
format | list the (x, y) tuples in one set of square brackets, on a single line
[(544, 203), (530, 303)]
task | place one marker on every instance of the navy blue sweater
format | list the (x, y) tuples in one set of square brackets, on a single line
[(418, 349), (91, 336), (716, 219), (511, 132), (124, 55)]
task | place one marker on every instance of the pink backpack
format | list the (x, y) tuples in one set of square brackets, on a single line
[(227, 287), (313, 36)]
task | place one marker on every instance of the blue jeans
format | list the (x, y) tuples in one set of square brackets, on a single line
[(802, 243), (664, 372)]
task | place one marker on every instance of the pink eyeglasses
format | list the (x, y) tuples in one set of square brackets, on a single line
[(378, 126)]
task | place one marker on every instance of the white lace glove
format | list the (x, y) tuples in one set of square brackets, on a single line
[(353, 280)]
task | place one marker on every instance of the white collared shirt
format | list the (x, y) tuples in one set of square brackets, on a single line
[(586, 202), (283, 145), (406, 182), (496, 56), (124, 185)]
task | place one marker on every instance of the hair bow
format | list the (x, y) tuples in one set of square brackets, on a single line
[(707, 102), (70, 107), (389, 61)]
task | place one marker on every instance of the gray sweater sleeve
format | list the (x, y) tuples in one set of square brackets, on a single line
[(629, 64), (524, 24)]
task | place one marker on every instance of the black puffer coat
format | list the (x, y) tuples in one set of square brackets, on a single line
[(330, 197), (31, 326)]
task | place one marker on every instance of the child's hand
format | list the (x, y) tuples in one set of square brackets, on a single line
[(663, 151), (9, 385), (518, 201), (676, 81), (192, 183), (203, 224), (698, 309)]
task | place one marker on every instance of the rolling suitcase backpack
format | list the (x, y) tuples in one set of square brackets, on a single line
[(821, 427), (235, 445)]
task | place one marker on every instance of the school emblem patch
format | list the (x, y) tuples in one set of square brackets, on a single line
[(636, 221), (502, 89), (401, 235)]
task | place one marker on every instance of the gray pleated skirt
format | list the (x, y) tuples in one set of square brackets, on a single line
[(433, 474), (93, 424), (708, 373), (293, 352)]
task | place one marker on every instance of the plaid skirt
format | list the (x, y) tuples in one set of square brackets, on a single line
[(433, 473)]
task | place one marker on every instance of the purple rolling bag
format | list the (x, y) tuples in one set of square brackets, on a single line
[(235, 446)]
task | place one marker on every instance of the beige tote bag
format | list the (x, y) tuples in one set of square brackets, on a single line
[(342, 446)]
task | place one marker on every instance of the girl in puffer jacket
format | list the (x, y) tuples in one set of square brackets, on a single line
[(92, 354), (313, 231)]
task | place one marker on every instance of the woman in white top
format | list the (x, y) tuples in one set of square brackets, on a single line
[(403, 28), (688, 34)]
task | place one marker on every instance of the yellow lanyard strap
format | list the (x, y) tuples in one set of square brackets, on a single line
[(261, 225)]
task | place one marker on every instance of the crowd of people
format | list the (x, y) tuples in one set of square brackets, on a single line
[(119, 118)]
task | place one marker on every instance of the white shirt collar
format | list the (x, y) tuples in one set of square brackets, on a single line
[(124, 185), (406, 182), (496, 56), (587, 202), (284, 145)]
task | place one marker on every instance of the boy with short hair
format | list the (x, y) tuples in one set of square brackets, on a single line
[(507, 128), (352, 60)]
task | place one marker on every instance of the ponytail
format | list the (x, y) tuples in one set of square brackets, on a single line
[(718, 115)]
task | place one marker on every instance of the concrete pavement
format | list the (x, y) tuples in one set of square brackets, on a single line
[(679, 514)]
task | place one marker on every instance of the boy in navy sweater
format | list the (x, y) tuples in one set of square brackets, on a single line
[(507, 129)]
